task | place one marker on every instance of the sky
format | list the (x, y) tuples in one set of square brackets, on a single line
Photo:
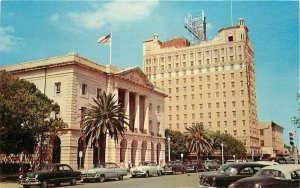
[(32, 30)]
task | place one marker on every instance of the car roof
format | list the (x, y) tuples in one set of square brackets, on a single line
[(237, 164), (284, 167), (267, 162)]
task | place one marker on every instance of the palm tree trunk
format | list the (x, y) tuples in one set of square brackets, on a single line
[(102, 147)]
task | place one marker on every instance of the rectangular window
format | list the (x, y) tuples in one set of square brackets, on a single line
[(98, 92), (83, 89), (57, 87)]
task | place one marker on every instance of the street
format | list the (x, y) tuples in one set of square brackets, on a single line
[(188, 180)]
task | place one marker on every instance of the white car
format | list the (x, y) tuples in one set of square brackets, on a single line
[(146, 169), (103, 172)]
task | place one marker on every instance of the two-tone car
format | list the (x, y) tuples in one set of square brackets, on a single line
[(174, 167), (146, 169), (50, 174), (275, 176), (104, 171), (232, 173)]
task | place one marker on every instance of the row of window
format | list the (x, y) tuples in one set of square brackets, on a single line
[(209, 106), (207, 78), (201, 96), (209, 115), (58, 87), (215, 53), (192, 69)]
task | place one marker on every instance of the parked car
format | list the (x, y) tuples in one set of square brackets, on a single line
[(232, 173), (50, 174), (146, 169), (211, 164), (173, 167), (280, 160), (194, 166), (103, 172), (275, 176)]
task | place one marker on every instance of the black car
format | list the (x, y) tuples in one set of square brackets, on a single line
[(275, 176), (232, 173), (50, 174), (194, 166), (173, 167)]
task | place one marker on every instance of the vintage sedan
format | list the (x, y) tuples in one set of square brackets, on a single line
[(173, 167), (146, 169), (275, 176), (211, 165), (50, 174), (105, 171), (232, 173), (194, 166)]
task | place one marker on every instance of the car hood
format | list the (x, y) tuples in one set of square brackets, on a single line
[(214, 174), (32, 174), (88, 171), (255, 179), (138, 168)]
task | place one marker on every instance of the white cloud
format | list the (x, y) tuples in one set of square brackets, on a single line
[(54, 18), (113, 13), (7, 40)]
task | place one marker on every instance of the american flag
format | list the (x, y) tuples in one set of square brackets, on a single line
[(104, 39)]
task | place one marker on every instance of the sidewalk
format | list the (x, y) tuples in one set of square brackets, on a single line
[(9, 185)]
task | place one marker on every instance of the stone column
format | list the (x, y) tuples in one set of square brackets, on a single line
[(126, 106), (88, 161), (69, 147), (137, 112), (146, 121)]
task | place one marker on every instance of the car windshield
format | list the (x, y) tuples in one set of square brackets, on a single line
[(270, 173), (144, 164), (223, 168), (47, 168), (231, 171)]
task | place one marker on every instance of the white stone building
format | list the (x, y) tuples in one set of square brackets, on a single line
[(73, 81)]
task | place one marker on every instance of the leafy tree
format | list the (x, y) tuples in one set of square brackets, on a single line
[(197, 140), (25, 115), (105, 116), (231, 145), (177, 145), (296, 119)]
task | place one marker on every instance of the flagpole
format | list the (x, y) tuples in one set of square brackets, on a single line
[(110, 47)]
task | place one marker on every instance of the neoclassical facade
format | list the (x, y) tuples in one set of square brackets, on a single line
[(73, 81)]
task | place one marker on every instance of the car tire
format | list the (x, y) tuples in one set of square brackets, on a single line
[(26, 186), (133, 176), (159, 173), (44, 184), (73, 181), (102, 178), (121, 177)]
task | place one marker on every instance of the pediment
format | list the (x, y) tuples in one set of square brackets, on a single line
[(135, 75)]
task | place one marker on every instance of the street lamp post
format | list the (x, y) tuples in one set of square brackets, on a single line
[(222, 145), (169, 151)]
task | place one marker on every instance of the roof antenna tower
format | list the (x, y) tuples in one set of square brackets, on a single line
[(196, 27)]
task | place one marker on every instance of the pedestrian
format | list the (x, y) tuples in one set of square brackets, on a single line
[(129, 164)]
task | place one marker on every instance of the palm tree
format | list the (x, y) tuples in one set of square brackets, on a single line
[(105, 116), (197, 139)]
